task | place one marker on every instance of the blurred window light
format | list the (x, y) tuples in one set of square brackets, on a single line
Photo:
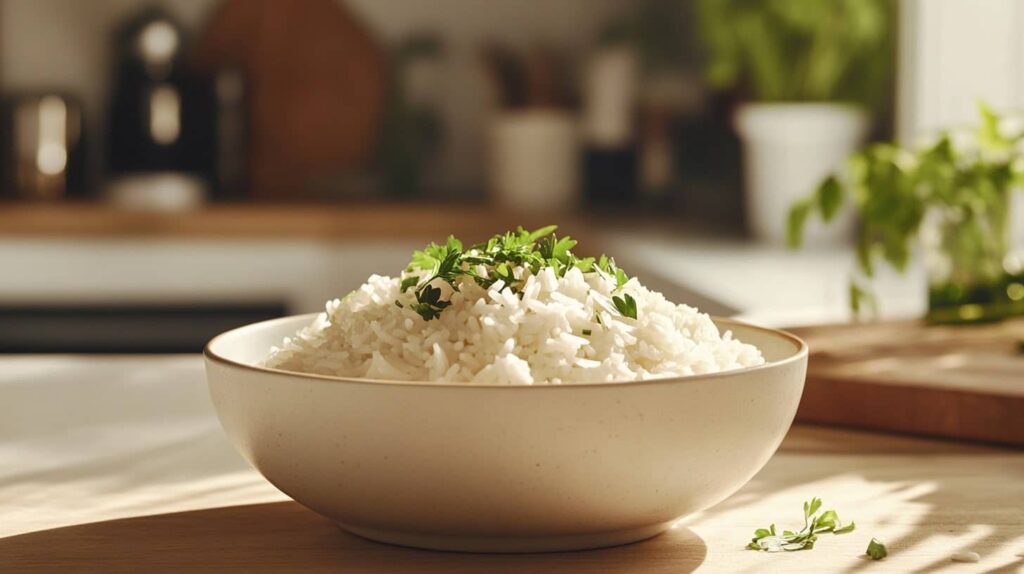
[(52, 153), (164, 114)]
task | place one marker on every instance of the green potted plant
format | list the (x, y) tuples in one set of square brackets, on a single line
[(810, 73), (953, 195)]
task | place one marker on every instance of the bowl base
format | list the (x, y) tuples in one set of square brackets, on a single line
[(505, 544)]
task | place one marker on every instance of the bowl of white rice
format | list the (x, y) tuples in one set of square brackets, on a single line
[(506, 397)]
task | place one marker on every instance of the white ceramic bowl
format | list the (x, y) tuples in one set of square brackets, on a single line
[(504, 468)]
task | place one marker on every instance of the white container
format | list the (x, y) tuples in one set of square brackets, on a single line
[(490, 468), (787, 150), (535, 160), (609, 98)]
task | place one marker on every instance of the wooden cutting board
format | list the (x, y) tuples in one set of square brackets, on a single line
[(316, 81), (960, 382)]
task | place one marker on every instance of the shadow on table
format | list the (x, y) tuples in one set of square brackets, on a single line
[(285, 537)]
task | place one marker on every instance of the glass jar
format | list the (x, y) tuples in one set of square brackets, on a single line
[(972, 275)]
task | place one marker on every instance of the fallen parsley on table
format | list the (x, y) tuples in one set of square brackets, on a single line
[(768, 540), (876, 550)]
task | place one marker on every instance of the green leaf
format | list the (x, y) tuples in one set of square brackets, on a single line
[(796, 223), (988, 132), (562, 247), (620, 278), (409, 283), (829, 198), (864, 250), (827, 521), (619, 303), (846, 529), (876, 550), (535, 235), (862, 300), (810, 509), (626, 305)]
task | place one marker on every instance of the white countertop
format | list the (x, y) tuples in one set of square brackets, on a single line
[(767, 284), (90, 438)]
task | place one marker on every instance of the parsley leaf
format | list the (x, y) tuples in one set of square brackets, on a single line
[(767, 540), (626, 305), (876, 550)]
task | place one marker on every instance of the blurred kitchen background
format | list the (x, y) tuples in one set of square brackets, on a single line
[(174, 168)]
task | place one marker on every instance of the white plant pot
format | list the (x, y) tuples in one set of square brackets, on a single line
[(787, 150), (535, 160)]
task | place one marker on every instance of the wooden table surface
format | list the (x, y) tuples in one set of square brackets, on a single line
[(117, 464), (948, 381), (390, 221)]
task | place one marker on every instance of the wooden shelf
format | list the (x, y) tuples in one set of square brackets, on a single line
[(263, 221)]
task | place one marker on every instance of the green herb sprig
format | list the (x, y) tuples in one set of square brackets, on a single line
[(892, 189), (768, 540), (494, 260)]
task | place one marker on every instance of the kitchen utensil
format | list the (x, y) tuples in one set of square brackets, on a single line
[(316, 81), (161, 115), (544, 79), (507, 76), (43, 154), (231, 171), (608, 125)]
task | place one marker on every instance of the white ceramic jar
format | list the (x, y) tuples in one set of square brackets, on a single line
[(534, 160), (788, 148)]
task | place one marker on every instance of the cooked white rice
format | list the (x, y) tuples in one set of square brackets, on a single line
[(557, 330)]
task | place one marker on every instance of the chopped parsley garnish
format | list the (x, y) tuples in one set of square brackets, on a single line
[(876, 550), (495, 260), (626, 305), (587, 332), (768, 540)]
